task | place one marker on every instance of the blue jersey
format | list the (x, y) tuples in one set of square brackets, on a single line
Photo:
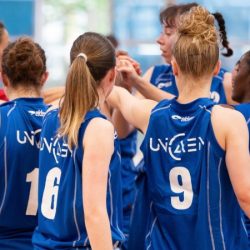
[(163, 78), (20, 127), (129, 173), (192, 201), (244, 108), (61, 215)]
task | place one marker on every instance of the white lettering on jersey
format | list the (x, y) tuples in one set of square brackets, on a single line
[(215, 96), (182, 119), (176, 146), (30, 137), (39, 113), (55, 147), (164, 84)]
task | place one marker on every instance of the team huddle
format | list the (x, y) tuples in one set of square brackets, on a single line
[(67, 175)]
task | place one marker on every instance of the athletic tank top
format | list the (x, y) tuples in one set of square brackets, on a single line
[(192, 201), (20, 127), (61, 216)]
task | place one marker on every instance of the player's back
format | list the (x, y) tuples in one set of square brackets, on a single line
[(21, 121), (192, 202), (61, 216)]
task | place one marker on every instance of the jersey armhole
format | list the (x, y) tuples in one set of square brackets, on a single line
[(218, 150)]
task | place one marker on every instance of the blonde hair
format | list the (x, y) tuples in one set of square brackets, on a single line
[(82, 81), (196, 50)]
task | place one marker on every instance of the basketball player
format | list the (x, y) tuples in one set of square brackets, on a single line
[(196, 153), (80, 200), (241, 94), (24, 74), (162, 77)]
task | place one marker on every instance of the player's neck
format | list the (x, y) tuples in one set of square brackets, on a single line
[(192, 89), (23, 93)]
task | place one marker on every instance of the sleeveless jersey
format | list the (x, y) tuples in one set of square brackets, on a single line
[(192, 201), (163, 78), (61, 216), (128, 150), (244, 108), (20, 127)]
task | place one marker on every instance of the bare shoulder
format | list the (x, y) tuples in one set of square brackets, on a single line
[(99, 130), (226, 113), (100, 125), (226, 122)]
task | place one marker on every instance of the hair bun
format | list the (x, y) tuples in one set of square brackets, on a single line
[(199, 24)]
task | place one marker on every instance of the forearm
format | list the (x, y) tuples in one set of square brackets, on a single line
[(122, 127), (52, 94), (122, 100), (149, 91), (98, 229)]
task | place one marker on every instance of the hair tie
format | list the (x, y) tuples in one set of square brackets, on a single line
[(83, 55)]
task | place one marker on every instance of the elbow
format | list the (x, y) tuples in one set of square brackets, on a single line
[(94, 215)]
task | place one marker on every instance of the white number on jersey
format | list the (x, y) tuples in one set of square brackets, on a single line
[(50, 193), (180, 183), (32, 177)]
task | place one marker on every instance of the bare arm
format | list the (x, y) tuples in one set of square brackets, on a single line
[(142, 84), (98, 146), (122, 127), (53, 94), (134, 110), (232, 134), (227, 84)]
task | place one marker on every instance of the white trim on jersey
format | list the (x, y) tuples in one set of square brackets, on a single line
[(244, 226), (9, 112), (111, 204), (151, 230), (248, 121), (5, 174), (205, 108), (166, 107), (152, 227), (74, 202), (111, 199), (208, 201), (86, 241), (117, 226), (119, 230)]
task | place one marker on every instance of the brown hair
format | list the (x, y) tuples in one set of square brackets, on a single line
[(196, 50), (24, 62), (82, 81), (2, 28), (168, 16), (113, 40)]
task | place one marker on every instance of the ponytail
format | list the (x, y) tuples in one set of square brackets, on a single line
[(80, 96), (91, 57)]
